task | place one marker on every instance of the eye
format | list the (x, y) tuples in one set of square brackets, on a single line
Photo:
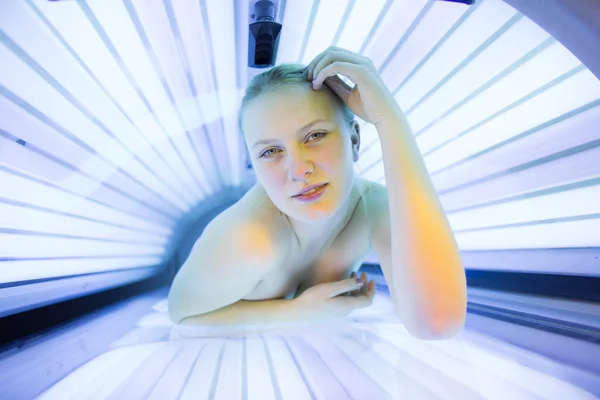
[(265, 153), (316, 133)]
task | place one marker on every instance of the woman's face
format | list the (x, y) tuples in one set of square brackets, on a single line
[(296, 130)]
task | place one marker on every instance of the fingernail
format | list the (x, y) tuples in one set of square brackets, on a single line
[(359, 282)]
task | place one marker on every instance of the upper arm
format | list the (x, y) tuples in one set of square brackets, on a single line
[(231, 257)]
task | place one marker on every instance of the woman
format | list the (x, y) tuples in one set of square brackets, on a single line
[(284, 252)]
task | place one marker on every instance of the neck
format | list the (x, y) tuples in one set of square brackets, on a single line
[(325, 232)]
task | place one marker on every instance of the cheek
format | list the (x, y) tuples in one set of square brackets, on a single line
[(271, 175), (329, 155), (335, 159)]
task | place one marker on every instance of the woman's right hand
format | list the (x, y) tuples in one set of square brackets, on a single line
[(336, 299)]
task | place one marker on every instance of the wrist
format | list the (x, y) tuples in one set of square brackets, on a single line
[(297, 309), (391, 118)]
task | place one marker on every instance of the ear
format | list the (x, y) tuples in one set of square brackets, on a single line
[(355, 139)]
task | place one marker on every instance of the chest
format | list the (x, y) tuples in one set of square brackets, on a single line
[(307, 267)]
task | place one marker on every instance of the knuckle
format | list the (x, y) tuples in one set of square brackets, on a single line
[(327, 68), (327, 60)]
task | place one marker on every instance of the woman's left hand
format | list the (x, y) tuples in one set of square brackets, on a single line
[(369, 99)]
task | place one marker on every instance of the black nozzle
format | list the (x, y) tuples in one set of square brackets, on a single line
[(263, 38), (264, 10)]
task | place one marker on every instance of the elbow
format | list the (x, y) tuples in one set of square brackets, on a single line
[(445, 334), (438, 328), (178, 314), (175, 313), (442, 323), (436, 334), (175, 318)]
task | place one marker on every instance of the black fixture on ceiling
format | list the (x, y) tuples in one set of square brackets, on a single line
[(263, 38)]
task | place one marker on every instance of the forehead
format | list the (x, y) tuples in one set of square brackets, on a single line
[(286, 110)]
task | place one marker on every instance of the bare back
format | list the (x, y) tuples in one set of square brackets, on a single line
[(303, 268)]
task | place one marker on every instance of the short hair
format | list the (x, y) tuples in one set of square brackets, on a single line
[(283, 76)]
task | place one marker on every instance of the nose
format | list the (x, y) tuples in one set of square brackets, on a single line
[(298, 166)]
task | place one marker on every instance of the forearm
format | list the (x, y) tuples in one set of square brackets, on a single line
[(245, 314), (428, 276)]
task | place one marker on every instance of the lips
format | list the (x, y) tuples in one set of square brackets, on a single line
[(309, 188)]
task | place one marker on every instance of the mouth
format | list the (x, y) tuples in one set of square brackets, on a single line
[(310, 190)]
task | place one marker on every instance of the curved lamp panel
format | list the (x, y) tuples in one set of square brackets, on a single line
[(506, 118), (119, 143), (117, 123)]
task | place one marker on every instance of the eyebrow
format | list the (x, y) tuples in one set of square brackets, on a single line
[(305, 127)]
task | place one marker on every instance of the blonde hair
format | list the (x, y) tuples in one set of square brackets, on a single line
[(283, 76)]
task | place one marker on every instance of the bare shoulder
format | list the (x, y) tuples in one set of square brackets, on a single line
[(374, 195), (234, 253), (374, 188), (259, 220)]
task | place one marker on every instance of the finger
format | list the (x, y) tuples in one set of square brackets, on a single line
[(372, 290), (311, 67), (356, 73), (352, 275), (339, 87), (366, 300), (335, 54), (336, 288), (356, 292), (365, 288)]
